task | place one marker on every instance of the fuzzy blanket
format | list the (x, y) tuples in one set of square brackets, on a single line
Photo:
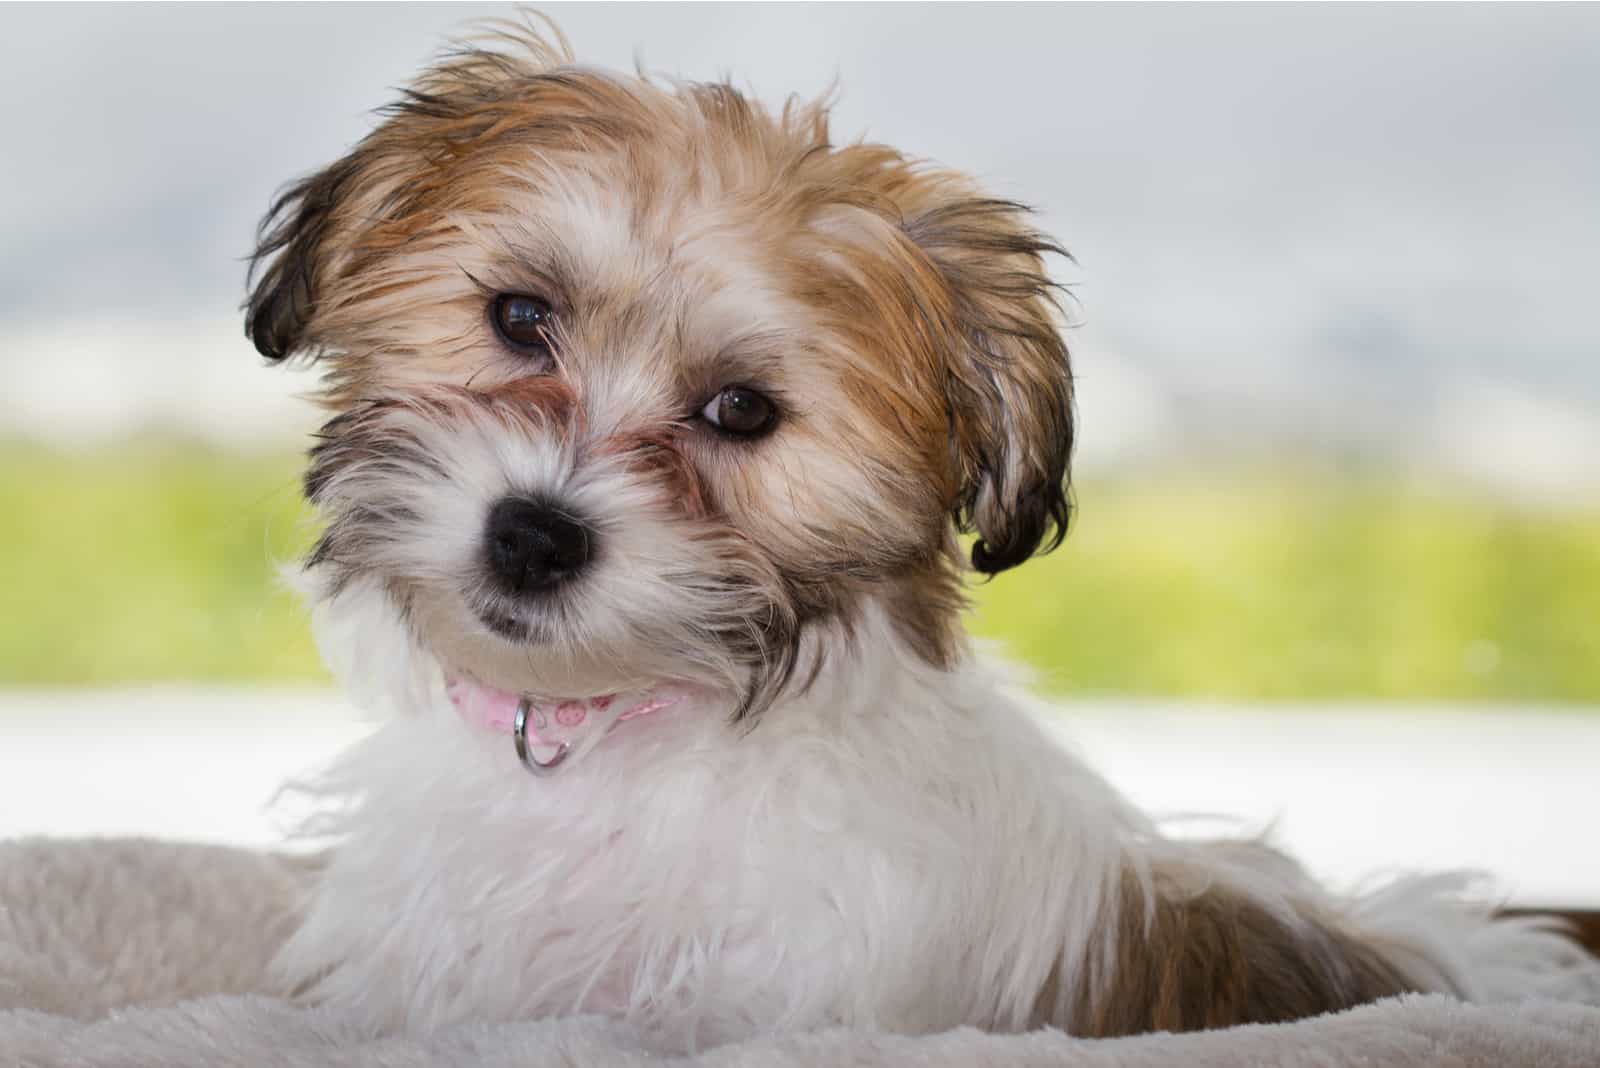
[(127, 952)]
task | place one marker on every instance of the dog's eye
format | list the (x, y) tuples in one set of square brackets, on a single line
[(740, 411), (522, 321)]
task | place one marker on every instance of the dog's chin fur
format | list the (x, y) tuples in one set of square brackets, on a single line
[(849, 820)]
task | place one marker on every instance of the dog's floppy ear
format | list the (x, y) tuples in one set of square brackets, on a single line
[(289, 266), (1009, 380), (316, 226)]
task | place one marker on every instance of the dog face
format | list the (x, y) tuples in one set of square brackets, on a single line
[(636, 382)]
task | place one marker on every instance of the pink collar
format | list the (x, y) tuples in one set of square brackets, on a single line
[(548, 733)]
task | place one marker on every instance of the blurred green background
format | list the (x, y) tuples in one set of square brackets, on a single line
[(157, 561)]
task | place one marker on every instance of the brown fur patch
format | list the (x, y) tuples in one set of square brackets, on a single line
[(1215, 958), (925, 608), (660, 456), (551, 399)]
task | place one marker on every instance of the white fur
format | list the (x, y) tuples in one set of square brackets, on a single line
[(898, 848)]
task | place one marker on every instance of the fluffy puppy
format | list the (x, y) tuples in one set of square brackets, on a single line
[(655, 418)]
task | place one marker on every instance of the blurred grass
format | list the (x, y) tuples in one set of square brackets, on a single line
[(1309, 584), (156, 562), (149, 562)]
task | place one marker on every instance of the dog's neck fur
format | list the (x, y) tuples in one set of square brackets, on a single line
[(691, 873), (897, 846)]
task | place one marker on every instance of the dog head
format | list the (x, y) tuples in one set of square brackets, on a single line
[(635, 381)]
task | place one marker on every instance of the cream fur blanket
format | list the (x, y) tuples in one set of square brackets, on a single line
[(129, 952)]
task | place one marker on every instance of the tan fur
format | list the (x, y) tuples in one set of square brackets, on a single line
[(1190, 959), (689, 238), (661, 458)]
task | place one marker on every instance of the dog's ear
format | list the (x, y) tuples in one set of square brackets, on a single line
[(289, 267), (1008, 379), (314, 231)]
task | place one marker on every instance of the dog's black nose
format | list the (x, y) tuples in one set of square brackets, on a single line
[(532, 546)]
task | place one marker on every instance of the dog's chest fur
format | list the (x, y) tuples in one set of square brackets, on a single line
[(869, 855)]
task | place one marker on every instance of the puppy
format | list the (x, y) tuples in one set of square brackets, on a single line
[(656, 417)]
